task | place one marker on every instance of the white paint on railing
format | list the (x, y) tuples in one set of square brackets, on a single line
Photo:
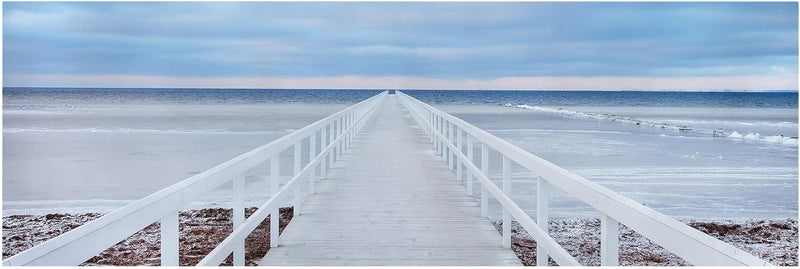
[(170, 228), (542, 217), (470, 156), (460, 142), (609, 241), (238, 217), (485, 171), (312, 154), (296, 191), (80, 244), (692, 245), (507, 192), (274, 183)]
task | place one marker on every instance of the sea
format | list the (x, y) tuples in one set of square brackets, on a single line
[(689, 155)]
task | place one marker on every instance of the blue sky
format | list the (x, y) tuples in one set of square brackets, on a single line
[(670, 46)]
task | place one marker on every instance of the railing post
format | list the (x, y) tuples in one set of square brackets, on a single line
[(296, 170), (458, 149), (340, 145), (439, 138), (312, 154), (435, 136), (485, 171), (274, 170), (506, 191), (353, 129), (470, 150), (345, 125), (331, 133), (238, 218), (609, 241), (450, 139), (322, 144), (430, 129), (170, 229), (445, 148), (542, 218)]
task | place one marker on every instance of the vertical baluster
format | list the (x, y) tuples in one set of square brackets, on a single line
[(485, 171), (542, 218), (470, 150), (353, 129), (238, 218), (450, 155), (169, 239), (324, 162), (609, 241), (328, 143), (436, 130), (274, 171), (443, 131), (296, 190), (346, 134), (438, 139), (458, 149), (340, 132), (312, 154), (506, 191), (430, 129)]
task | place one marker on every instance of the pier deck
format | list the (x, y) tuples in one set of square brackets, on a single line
[(390, 201)]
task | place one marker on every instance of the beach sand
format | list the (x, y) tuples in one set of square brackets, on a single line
[(201, 230)]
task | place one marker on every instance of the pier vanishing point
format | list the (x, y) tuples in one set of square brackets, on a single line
[(387, 181)]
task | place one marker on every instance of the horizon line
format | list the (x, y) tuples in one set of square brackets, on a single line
[(608, 83), (411, 89)]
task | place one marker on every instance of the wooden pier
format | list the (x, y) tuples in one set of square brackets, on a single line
[(390, 201)]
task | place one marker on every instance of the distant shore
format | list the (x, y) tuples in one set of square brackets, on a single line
[(774, 240)]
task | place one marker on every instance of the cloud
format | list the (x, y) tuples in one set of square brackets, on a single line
[(744, 83), (447, 41)]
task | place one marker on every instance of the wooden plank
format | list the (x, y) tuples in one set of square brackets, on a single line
[(390, 201)]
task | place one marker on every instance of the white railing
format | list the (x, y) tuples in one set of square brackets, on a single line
[(446, 133), (333, 133)]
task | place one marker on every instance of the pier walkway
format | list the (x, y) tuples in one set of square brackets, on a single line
[(390, 201), (386, 181)]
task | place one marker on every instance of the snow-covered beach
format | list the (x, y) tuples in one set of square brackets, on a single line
[(772, 240)]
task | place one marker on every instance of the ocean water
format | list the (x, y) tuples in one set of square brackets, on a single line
[(689, 155), (658, 148)]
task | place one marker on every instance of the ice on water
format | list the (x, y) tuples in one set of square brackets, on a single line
[(682, 173), (65, 152)]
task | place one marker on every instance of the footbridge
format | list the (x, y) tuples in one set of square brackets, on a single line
[(387, 181)]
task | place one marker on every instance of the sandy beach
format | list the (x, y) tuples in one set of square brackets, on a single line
[(201, 230)]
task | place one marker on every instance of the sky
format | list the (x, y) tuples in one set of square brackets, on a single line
[(442, 45)]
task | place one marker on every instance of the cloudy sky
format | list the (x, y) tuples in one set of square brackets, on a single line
[(666, 46)]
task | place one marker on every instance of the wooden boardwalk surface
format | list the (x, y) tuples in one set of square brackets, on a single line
[(390, 201)]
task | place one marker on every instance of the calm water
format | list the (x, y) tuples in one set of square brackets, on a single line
[(96, 149)]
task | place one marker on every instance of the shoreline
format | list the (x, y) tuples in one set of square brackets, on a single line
[(774, 240), (200, 231)]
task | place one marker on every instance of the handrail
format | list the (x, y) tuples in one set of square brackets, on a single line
[(82, 243), (692, 245)]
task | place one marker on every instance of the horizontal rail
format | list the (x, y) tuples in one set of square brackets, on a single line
[(692, 245), (82, 243)]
